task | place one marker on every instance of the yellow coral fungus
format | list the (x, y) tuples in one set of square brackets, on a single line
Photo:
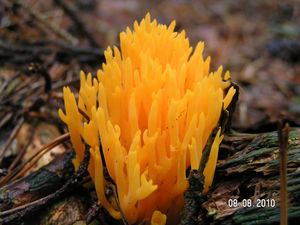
[(152, 109)]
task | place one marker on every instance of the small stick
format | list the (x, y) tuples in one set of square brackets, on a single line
[(63, 83), (283, 135), (83, 114), (31, 162), (21, 153), (6, 118), (19, 212), (11, 137), (41, 152), (92, 212), (52, 26), (71, 12)]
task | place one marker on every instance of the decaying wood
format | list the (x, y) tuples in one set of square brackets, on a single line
[(248, 169), (70, 210), (252, 172), (20, 213), (38, 184), (23, 168)]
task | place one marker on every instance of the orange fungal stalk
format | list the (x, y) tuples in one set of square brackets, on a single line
[(151, 108)]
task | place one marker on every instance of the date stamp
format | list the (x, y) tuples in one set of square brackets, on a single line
[(248, 203)]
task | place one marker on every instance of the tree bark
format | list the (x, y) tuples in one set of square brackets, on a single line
[(249, 173), (38, 184)]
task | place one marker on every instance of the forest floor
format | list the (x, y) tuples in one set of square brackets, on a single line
[(45, 44)]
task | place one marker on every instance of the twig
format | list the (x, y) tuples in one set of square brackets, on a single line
[(206, 151), (114, 189), (3, 172), (17, 213), (63, 83), (22, 92), (193, 196), (92, 212), (83, 114), (35, 68), (21, 153), (52, 26), (6, 118), (230, 109), (71, 12), (11, 137), (31, 162), (35, 51), (283, 135), (6, 83)]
